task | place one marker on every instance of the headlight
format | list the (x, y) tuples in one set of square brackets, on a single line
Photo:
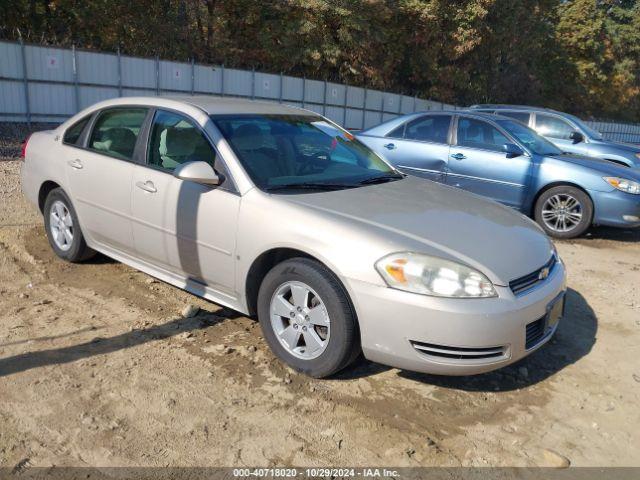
[(623, 184), (417, 273), (638, 155)]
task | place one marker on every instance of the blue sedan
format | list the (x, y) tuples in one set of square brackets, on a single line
[(503, 159)]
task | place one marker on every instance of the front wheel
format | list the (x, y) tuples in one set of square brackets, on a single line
[(307, 319), (564, 211)]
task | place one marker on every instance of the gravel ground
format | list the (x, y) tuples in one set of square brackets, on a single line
[(99, 367)]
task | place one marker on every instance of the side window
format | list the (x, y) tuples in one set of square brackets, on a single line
[(174, 140), (74, 132), (397, 132), (116, 132), (553, 127), (478, 134), (520, 116), (430, 128)]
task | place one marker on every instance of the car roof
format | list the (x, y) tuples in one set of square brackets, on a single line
[(230, 105), (385, 127), (502, 106)]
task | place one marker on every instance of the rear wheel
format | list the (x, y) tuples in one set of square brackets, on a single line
[(564, 211), (307, 319), (63, 229)]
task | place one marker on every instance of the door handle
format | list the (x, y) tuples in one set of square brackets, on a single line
[(147, 186), (458, 156), (77, 164), (390, 146)]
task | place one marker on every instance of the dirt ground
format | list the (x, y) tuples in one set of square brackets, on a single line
[(99, 368)]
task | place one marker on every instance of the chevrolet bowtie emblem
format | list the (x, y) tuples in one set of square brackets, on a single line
[(544, 273)]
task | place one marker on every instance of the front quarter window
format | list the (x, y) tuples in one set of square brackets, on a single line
[(282, 150)]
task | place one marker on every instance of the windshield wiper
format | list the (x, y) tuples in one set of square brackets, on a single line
[(309, 186), (382, 178)]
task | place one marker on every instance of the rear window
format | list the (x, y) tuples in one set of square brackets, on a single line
[(74, 132), (520, 116), (116, 132)]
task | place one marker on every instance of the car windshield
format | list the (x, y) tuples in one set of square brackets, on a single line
[(281, 152), (591, 133), (530, 139)]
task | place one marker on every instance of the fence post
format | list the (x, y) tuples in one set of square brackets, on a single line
[(280, 94), (25, 81), (222, 80), (364, 107), (157, 75), (193, 76), (344, 106), (75, 77), (382, 108), (119, 72), (253, 83), (304, 90), (415, 103), (324, 100)]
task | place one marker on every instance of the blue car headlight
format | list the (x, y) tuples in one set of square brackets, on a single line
[(623, 184)]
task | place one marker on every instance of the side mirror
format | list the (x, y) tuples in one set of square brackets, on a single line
[(198, 172), (577, 137), (512, 150)]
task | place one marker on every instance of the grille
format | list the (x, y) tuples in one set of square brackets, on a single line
[(458, 353), (523, 284), (535, 332)]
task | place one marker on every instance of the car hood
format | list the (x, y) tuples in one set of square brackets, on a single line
[(626, 147), (448, 222), (603, 166)]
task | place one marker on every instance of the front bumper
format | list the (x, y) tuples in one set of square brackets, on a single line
[(395, 327), (616, 209)]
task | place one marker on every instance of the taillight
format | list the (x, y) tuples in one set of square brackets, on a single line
[(24, 148)]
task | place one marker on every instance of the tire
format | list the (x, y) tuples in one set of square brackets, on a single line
[(70, 246), (341, 339), (564, 212)]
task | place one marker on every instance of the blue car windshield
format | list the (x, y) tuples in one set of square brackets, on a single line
[(530, 139), (591, 133), (300, 151)]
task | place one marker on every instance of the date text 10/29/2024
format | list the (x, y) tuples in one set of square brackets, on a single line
[(314, 473)]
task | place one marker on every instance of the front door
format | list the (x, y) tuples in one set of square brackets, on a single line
[(558, 131), (420, 147), (478, 164), (100, 177), (181, 226)]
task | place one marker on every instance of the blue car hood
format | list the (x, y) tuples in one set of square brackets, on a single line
[(626, 147), (604, 167)]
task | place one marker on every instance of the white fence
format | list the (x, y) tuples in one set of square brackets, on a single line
[(46, 84)]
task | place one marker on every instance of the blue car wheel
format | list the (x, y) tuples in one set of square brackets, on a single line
[(564, 211)]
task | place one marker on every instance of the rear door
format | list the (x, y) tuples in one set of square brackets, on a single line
[(478, 164), (419, 147), (100, 176), (181, 226)]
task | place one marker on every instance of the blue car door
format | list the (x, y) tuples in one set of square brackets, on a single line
[(419, 147), (558, 131), (478, 163)]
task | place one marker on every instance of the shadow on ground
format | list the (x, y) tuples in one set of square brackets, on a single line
[(100, 345), (630, 235)]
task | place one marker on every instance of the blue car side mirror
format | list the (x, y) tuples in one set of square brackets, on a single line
[(576, 137), (512, 150)]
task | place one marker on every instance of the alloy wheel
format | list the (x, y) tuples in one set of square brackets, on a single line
[(300, 320), (562, 212), (61, 225)]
